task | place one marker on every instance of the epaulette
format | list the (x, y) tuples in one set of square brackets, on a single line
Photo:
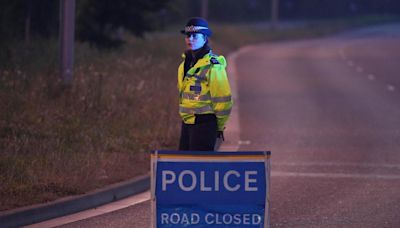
[(214, 61)]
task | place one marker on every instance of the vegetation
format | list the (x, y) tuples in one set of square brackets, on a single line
[(97, 21), (119, 107), (101, 22), (122, 104)]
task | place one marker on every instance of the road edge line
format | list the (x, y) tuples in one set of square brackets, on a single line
[(73, 204)]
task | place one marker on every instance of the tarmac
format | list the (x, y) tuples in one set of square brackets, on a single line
[(69, 205)]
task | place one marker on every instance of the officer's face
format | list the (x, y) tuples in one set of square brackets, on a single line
[(195, 41)]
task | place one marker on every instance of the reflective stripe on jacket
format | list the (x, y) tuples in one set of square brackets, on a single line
[(205, 89)]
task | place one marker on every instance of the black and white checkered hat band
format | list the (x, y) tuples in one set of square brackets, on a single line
[(192, 28)]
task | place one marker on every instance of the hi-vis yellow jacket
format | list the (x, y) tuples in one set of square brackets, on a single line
[(205, 89)]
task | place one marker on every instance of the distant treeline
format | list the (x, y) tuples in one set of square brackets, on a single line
[(98, 21), (255, 10), (101, 22)]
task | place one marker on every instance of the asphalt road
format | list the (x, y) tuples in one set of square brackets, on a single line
[(329, 110)]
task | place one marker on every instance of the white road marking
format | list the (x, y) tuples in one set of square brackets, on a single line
[(343, 164), (124, 203), (350, 63), (371, 77), (391, 88), (335, 175), (233, 125), (342, 54), (244, 142)]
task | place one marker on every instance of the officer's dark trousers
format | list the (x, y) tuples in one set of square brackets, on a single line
[(200, 136)]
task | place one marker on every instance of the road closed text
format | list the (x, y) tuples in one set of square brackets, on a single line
[(210, 219)]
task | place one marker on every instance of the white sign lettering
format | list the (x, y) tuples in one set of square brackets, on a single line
[(180, 218), (210, 219), (232, 180)]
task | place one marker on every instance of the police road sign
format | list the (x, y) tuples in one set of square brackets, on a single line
[(210, 189)]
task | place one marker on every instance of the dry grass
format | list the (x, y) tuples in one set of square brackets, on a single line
[(122, 104)]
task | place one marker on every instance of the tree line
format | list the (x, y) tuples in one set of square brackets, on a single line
[(101, 22), (97, 21)]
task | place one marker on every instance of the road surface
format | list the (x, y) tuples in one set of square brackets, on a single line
[(329, 110)]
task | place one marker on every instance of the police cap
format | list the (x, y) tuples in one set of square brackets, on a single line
[(197, 25)]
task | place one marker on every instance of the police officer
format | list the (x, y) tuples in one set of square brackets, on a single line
[(204, 93)]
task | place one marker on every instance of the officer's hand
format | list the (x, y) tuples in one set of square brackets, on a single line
[(220, 135)]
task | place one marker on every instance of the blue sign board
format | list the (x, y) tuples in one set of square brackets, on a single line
[(210, 189)]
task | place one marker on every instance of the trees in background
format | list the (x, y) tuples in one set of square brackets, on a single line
[(258, 10), (97, 21), (310, 9), (23, 19), (100, 22)]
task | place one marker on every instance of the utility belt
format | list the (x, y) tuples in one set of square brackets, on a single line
[(205, 118)]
